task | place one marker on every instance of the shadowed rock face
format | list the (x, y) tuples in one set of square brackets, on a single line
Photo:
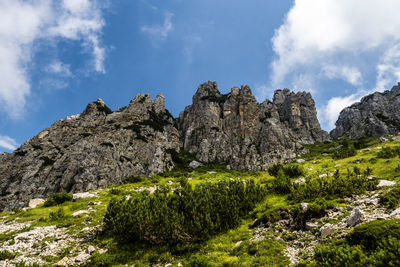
[(91, 150), (236, 129), (99, 147), (376, 114)]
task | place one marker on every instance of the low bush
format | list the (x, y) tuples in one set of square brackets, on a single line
[(315, 209), (337, 186), (57, 215), (344, 153), (6, 255), (135, 179), (292, 170), (57, 199), (369, 235), (388, 152), (391, 199), (376, 243), (187, 215), (281, 183)]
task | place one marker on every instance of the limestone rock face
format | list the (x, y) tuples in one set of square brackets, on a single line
[(91, 150), (236, 129), (375, 114)]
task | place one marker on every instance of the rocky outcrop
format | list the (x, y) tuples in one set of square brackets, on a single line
[(376, 114), (91, 150), (236, 129), (99, 147)]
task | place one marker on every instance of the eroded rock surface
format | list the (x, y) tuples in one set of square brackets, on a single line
[(91, 150), (236, 129), (376, 114)]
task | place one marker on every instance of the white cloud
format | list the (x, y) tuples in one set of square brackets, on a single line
[(24, 23), (350, 74), (160, 32), (8, 143), (59, 68), (331, 111), (350, 40)]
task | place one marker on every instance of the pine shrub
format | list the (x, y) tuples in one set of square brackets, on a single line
[(187, 215), (57, 199)]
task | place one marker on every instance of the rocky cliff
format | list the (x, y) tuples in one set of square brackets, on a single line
[(91, 150), (99, 147), (376, 114), (236, 129)]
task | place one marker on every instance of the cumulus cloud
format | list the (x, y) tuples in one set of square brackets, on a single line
[(336, 104), (24, 23), (8, 143), (160, 32), (343, 40)]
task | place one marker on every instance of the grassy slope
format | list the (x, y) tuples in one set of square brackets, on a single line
[(236, 247)]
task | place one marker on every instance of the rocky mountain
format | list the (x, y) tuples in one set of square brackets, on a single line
[(100, 147), (91, 150), (376, 114), (236, 129)]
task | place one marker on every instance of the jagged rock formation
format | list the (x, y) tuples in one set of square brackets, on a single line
[(376, 114), (91, 150), (236, 129), (99, 147)]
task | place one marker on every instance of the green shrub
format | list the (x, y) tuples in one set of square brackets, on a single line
[(369, 235), (315, 209), (6, 255), (344, 153), (57, 215), (391, 199), (281, 183), (291, 171), (57, 199), (135, 179), (338, 186), (388, 152), (373, 244), (185, 216)]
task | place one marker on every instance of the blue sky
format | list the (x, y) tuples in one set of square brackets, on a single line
[(56, 56)]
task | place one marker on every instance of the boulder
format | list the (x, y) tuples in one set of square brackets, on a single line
[(395, 214), (33, 203), (385, 183), (327, 229), (355, 217), (195, 164)]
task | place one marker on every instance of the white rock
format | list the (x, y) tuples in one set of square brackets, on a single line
[(395, 214), (33, 203), (395, 138), (91, 249), (304, 206), (311, 225), (195, 164), (64, 262), (300, 160), (300, 180), (310, 168), (82, 257), (383, 183), (355, 217), (79, 212), (327, 229), (366, 150), (77, 196), (383, 139), (211, 172), (322, 175)]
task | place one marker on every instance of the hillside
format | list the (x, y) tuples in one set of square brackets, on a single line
[(333, 206), (100, 147)]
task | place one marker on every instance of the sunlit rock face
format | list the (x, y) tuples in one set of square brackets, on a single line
[(376, 114), (236, 129)]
